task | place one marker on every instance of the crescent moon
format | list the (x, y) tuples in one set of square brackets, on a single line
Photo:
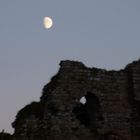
[(48, 23)]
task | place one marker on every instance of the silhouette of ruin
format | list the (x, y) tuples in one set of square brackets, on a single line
[(111, 110)]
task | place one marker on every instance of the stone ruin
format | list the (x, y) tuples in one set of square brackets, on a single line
[(81, 103)]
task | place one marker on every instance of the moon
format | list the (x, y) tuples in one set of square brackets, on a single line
[(48, 23)]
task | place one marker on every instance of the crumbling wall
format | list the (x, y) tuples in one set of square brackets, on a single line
[(110, 112)]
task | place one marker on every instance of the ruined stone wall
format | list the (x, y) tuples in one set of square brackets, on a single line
[(111, 109)]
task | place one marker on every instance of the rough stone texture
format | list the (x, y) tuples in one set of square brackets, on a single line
[(111, 111)]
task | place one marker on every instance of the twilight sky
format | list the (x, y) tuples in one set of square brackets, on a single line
[(100, 33)]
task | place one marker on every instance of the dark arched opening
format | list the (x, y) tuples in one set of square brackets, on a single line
[(88, 111)]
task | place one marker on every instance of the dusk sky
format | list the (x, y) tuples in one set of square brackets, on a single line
[(100, 33)]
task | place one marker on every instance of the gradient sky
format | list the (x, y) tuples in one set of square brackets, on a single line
[(100, 33)]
